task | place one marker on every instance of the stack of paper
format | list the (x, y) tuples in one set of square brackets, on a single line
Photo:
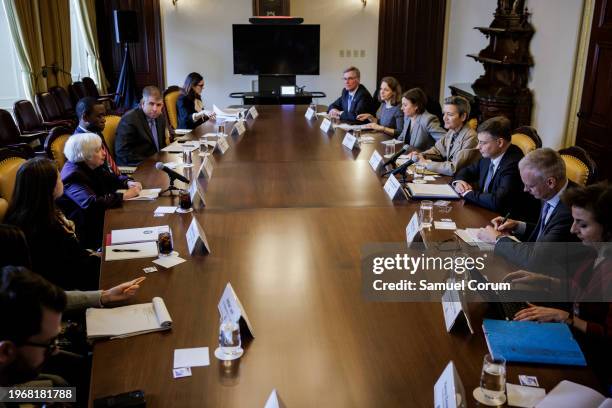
[(470, 236), (436, 191), (177, 147), (129, 235), (145, 194), (227, 113), (347, 127), (568, 394)]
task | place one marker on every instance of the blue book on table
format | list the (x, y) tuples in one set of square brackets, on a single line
[(532, 342)]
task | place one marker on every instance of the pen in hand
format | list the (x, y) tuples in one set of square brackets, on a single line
[(503, 221), (126, 250)]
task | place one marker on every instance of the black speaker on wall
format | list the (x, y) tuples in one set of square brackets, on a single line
[(126, 26)]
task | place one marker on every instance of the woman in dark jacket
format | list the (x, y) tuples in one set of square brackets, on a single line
[(56, 252), (90, 188), (189, 105)]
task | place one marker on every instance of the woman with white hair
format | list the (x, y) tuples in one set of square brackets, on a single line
[(90, 188)]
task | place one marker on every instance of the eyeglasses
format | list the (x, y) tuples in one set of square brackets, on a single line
[(349, 78), (50, 348)]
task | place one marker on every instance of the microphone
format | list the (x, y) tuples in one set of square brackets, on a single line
[(393, 158), (400, 169), (171, 173)]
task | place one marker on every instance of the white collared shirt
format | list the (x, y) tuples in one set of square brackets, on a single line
[(552, 202)]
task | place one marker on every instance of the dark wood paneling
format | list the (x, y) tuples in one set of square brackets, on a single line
[(146, 55), (410, 43), (271, 8), (595, 116)]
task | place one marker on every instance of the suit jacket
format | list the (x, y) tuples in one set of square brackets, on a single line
[(185, 108), (506, 188), (134, 141), (362, 103), (543, 258), (422, 132), (87, 195), (449, 159)]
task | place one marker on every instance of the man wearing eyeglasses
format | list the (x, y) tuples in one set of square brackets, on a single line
[(31, 314), (355, 98)]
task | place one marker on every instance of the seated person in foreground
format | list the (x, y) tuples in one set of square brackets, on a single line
[(142, 131), (90, 188), (494, 181), (92, 119), (421, 129), (590, 321), (355, 98), (59, 256), (189, 106), (389, 118), (458, 148)]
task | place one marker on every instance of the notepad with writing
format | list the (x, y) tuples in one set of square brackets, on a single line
[(435, 191), (568, 394), (128, 321), (532, 342)]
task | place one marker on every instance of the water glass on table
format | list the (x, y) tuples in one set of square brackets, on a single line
[(426, 214), (493, 380), (419, 173), (229, 338), (165, 246), (389, 148)]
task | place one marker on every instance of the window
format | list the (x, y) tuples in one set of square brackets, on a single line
[(79, 68), (11, 81)]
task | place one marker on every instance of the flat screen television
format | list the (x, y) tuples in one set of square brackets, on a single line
[(276, 49)]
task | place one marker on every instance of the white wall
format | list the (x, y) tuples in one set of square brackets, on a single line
[(198, 37), (553, 47)]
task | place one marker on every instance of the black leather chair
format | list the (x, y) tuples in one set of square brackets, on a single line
[(77, 90), (63, 101), (10, 134), (29, 121), (50, 110)]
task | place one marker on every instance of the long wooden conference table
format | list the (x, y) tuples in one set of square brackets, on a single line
[(288, 209)]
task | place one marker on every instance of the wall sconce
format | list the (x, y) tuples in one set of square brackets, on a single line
[(174, 2), (362, 1)]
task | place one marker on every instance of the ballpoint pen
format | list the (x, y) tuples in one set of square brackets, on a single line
[(126, 250)]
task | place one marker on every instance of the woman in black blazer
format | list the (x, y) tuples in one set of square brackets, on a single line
[(189, 105), (56, 252)]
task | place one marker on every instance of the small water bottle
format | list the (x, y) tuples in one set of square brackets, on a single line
[(229, 338)]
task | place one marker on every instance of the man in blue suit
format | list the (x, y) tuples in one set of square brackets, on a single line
[(355, 98)]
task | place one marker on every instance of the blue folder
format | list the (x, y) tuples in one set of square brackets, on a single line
[(532, 342)]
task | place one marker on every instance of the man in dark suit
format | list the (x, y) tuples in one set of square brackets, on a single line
[(543, 174), (142, 131), (494, 182), (355, 98)]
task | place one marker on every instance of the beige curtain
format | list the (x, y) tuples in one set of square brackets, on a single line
[(86, 15), (55, 30), (20, 15)]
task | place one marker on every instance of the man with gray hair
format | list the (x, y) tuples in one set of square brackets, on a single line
[(142, 131), (355, 98), (543, 174)]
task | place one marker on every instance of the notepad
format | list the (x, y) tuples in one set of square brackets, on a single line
[(435, 191), (548, 343), (128, 321), (131, 251), (227, 113), (181, 147), (470, 236), (145, 194), (128, 235), (568, 394), (127, 169)]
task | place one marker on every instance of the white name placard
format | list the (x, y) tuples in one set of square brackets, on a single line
[(412, 228), (451, 306), (196, 194), (310, 114), (375, 160), (448, 390), (239, 128), (222, 145), (196, 238), (350, 141), (274, 401), (326, 125), (253, 112), (230, 308), (206, 168), (392, 186)]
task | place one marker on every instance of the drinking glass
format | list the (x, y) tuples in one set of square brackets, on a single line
[(493, 379), (221, 130), (357, 134), (419, 169), (204, 147), (389, 149), (426, 214), (313, 107), (229, 337), (165, 245), (187, 158), (184, 200)]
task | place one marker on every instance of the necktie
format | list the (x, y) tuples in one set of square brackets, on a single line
[(490, 174), (350, 102), (110, 162), (450, 147), (543, 214), (154, 133)]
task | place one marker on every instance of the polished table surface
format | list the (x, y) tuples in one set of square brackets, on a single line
[(288, 210)]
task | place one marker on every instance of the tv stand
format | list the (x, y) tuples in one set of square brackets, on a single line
[(275, 98)]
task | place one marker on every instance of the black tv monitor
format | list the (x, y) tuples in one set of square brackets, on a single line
[(276, 49)]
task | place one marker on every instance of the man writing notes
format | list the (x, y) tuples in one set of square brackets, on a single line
[(142, 131), (458, 148), (355, 98), (494, 181)]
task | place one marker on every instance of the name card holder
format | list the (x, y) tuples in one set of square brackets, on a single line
[(448, 390), (196, 238), (392, 186), (206, 168), (252, 112), (230, 307), (350, 141), (221, 145), (238, 128), (453, 309), (375, 160), (326, 125), (413, 230), (274, 401), (196, 194), (310, 114)]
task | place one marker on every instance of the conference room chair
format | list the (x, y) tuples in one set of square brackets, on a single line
[(10, 134), (10, 161), (526, 138), (77, 90), (579, 166), (110, 131), (54, 145), (63, 101), (50, 110), (29, 121), (171, 95), (472, 123)]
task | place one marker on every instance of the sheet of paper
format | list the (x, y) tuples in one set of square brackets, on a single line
[(181, 372), (568, 394), (165, 210), (145, 194), (181, 131), (124, 236), (131, 251), (168, 261), (191, 357), (445, 225), (432, 190), (391, 142), (525, 397), (429, 178), (177, 147), (272, 401)]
